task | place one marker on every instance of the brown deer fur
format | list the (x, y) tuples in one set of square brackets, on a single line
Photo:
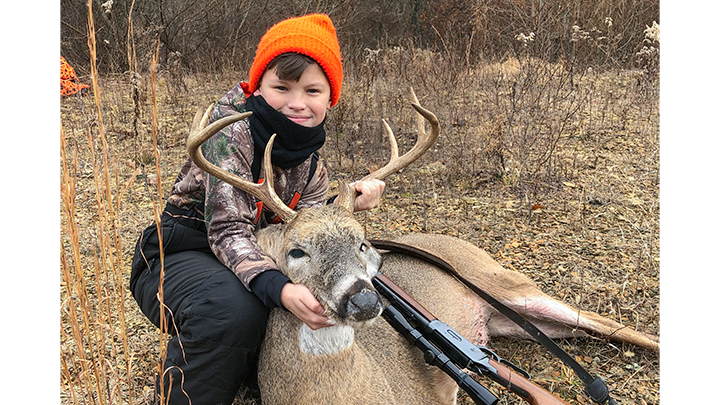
[(379, 366), (361, 359)]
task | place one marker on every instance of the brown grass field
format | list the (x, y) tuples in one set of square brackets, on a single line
[(558, 182)]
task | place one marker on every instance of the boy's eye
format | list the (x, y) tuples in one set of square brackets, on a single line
[(296, 253)]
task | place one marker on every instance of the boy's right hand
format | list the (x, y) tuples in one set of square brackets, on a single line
[(298, 299)]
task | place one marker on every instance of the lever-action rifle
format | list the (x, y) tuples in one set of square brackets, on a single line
[(448, 350)]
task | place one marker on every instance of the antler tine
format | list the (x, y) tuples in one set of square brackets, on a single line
[(203, 120), (263, 191), (393, 141), (347, 194), (424, 142), (420, 122), (273, 202)]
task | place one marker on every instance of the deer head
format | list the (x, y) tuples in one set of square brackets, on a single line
[(323, 248)]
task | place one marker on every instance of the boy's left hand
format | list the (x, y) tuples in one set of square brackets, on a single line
[(370, 192)]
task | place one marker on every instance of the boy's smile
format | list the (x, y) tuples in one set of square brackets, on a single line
[(304, 102)]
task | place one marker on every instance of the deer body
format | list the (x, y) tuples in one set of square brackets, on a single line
[(358, 360), (361, 359), (367, 361)]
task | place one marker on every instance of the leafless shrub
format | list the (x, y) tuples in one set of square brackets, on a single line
[(222, 34), (648, 58)]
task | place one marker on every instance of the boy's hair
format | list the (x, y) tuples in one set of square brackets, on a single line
[(290, 66), (312, 35)]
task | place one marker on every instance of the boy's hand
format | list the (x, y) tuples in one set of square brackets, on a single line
[(370, 192), (298, 299)]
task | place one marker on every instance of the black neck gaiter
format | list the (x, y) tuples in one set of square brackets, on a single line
[(294, 143)]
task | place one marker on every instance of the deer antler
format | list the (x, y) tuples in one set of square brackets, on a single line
[(199, 133), (347, 194)]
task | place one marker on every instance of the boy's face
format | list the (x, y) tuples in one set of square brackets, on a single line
[(304, 102)]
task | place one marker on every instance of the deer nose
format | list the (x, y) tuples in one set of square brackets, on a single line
[(364, 305), (364, 300)]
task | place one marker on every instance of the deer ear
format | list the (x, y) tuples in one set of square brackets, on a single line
[(374, 259), (270, 241)]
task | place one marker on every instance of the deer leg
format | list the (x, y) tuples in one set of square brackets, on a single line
[(558, 320), (520, 293)]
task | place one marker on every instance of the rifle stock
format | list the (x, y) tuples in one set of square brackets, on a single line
[(535, 394), (463, 353)]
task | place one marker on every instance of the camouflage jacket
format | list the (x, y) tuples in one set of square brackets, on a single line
[(231, 214)]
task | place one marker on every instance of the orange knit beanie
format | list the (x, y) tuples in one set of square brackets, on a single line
[(312, 35)]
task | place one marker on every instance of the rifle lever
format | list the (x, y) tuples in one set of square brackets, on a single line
[(503, 361)]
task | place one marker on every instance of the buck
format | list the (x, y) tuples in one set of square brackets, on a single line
[(360, 359)]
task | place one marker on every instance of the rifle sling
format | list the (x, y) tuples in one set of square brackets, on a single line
[(595, 387)]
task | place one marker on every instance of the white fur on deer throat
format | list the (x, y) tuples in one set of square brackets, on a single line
[(325, 341)]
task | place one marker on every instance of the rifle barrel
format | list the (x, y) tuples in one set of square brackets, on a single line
[(405, 297), (493, 369)]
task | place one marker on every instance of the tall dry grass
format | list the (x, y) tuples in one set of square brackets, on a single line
[(97, 364)]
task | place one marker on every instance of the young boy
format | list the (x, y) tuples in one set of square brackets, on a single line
[(218, 284)]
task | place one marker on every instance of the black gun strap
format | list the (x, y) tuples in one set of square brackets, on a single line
[(595, 387)]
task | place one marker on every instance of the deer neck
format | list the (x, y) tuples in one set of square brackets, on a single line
[(326, 341)]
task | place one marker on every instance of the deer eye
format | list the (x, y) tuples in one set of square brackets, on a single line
[(363, 247), (296, 253)]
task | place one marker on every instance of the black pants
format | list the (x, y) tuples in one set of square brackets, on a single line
[(216, 324)]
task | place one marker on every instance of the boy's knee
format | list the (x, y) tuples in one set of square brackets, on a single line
[(226, 313)]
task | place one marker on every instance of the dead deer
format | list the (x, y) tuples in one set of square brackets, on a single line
[(360, 360)]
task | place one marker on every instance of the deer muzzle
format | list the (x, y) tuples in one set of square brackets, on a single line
[(361, 302)]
